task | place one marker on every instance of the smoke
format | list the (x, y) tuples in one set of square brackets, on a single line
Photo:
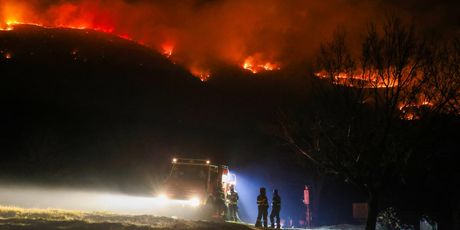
[(201, 34), (29, 196)]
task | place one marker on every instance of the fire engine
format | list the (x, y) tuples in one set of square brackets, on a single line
[(196, 182)]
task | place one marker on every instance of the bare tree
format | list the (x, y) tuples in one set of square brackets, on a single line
[(442, 76), (361, 126)]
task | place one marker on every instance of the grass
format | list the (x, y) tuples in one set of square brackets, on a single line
[(21, 218), (47, 214)]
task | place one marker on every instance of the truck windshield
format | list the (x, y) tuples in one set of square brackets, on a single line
[(190, 172)]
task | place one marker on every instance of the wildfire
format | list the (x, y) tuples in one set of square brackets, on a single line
[(6, 54), (93, 16), (408, 110), (7, 26), (411, 111), (203, 75), (167, 49), (14, 17), (358, 80), (255, 66)]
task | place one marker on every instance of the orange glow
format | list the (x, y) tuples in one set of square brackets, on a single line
[(358, 80), (63, 16), (78, 17), (427, 103), (203, 75), (249, 65), (125, 36), (11, 14), (74, 52), (409, 110), (167, 49), (256, 66), (135, 23), (6, 26)]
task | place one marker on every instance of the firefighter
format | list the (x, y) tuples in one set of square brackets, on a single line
[(220, 200), (233, 204), (262, 204), (276, 208)]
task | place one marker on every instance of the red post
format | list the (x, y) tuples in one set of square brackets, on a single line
[(306, 201)]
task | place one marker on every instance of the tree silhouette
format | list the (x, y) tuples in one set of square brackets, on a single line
[(365, 124)]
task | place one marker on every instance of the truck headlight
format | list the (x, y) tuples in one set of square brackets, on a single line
[(162, 197), (195, 201)]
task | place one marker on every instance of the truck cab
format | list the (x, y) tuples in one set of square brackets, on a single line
[(196, 181)]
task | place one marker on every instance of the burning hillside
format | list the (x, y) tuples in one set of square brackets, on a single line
[(89, 89), (135, 25), (358, 79), (255, 37), (258, 36)]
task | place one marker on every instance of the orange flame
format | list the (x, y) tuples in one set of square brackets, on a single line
[(94, 16), (256, 66), (167, 49), (7, 55), (358, 80), (202, 74), (408, 110)]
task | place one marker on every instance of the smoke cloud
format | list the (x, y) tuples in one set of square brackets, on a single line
[(201, 34)]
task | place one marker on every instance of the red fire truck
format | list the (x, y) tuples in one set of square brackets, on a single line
[(196, 182)]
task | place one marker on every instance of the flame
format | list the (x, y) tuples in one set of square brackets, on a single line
[(93, 15), (14, 14), (6, 54), (125, 36), (358, 79), (255, 66), (202, 74), (409, 110), (8, 25), (248, 65), (167, 49)]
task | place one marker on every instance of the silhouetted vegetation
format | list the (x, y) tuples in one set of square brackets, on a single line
[(375, 123)]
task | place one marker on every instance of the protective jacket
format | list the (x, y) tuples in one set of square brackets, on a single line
[(262, 201), (233, 198), (276, 201)]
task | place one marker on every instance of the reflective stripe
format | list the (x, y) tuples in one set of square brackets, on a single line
[(262, 200)]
